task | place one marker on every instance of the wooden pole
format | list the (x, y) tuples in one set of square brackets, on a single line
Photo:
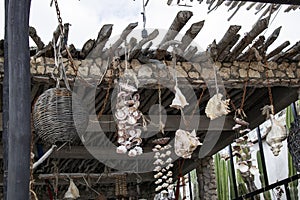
[(5, 107), (19, 100)]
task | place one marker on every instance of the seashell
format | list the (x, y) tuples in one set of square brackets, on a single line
[(129, 102), (165, 185), (136, 97), (157, 162), (161, 140), (121, 149), (164, 192), (136, 104), (121, 133), (121, 139), (179, 102), (132, 153), (157, 154), (120, 114), (169, 160), (163, 170), (157, 146), (136, 141), (168, 146), (137, 114), (163, 155), (131, 120), (236, 126), (155, 150), (170, 173), (276, 135), (170, 180), (242, 166), (138, 132), (241, 121), (217, 107), (168, 153), (121, 125), (157, 169), (171, 187), (127, 87), (128, 144), (72, 192), (139, 150), (254, 170), (158, 181), (185, 143), (131, 132), (158, 175), (122, 95), (164, 177), (157, 189)]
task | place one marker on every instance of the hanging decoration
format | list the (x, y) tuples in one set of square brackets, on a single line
[(276, 133), (72, 192), (127, 114), (185, 143), (216, 107), (121, 186), (163, 168), (53, 117)]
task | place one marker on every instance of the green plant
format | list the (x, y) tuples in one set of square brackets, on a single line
[(267, 194), (222, 177)]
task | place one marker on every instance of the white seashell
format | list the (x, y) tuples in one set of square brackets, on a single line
[(127, 87), (165, 185), (179, 102), (155, 150), (136, 97), (121, 140), (156, 189), (128, 144), (217, 107), (164, 192), (163, 170), (139, 150), (168, 146), (168, 153), (121, 149), (131, 120), (136, 114), (170, 180), (132, 153), (157, 154), (185, 143), (276, 135), (169, 160), (254, 170), (158, 175), (157, 169), (72, 192), (120, 114), (121, 133), (158, 181), (171, 187), (157, 146), (136, 141), (170, 173), (163, 155), (242, 166), (164, 177), (158, 162)]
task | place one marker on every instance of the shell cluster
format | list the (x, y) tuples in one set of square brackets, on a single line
[(127, 115), (162, 171), (241, 125), (185, 143)]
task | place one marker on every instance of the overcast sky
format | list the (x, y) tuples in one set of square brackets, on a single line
[(88, 16)]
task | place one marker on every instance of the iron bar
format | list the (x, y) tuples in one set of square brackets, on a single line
[(262, 155), (294, 110), (287, 191), (5, 107), (19, 135), (190, 186), (269, 187), (233, 172)]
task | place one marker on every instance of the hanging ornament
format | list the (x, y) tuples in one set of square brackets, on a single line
[(276, 133), (179, 102), (73, 192), (185, 143), (216, 107), (128, 115)]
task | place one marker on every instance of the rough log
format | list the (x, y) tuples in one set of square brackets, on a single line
[(270, 40), (236, 10), (137, 49), (227, 38), (190, 34), (290, 53), (121, 39), (223, 56), (249, 54), (180, 20), (257, 29), (37, 40), (102, 38), (278, 50), (86, 49)]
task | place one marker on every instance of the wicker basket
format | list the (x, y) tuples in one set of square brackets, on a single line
[(294, 143), (53, 118)]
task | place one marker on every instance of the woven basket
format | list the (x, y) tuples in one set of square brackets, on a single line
[(53, 118), (294, 143)]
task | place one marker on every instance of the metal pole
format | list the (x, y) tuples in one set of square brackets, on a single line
[(287, 191), (5, 107), (190, 186), (19, 136), (294, 110), (262, 155), (233, 173)]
